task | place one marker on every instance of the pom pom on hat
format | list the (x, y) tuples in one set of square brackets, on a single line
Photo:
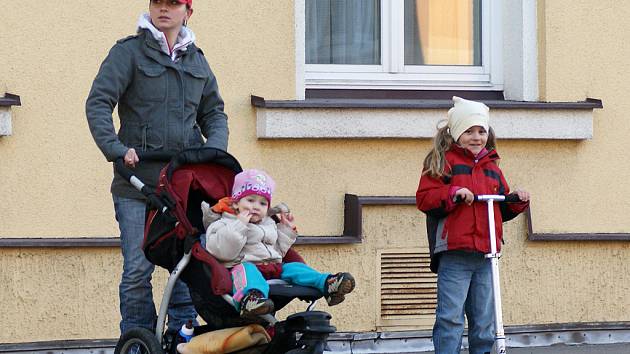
[(252, 182), (466, 114)]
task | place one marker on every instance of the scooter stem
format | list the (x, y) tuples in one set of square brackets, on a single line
[(496, 284)]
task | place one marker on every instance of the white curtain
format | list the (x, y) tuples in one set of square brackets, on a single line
[(443, 32), (343, 32)]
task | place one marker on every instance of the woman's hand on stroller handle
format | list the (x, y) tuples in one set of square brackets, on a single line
[(523, 195), (123, 166), (131, 158)]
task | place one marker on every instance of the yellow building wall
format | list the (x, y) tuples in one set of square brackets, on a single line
[(55, 182)]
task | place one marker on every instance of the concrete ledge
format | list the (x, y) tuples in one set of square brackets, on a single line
[(274, 123), (5, 112), (352, 230), (529, 336), (5, 121), (79, 346), (604, 334), (364, 119)]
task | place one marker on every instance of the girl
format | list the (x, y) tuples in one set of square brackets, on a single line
[(246, 239), (462, 163)]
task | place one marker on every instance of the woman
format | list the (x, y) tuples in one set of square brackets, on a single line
[(167, 98)]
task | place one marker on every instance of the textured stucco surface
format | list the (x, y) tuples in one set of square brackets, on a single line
[(55, 181), (62, 294)]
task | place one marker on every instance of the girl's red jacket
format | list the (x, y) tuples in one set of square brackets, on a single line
[(462, 227)]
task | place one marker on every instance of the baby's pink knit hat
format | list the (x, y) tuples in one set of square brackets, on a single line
[(252, 182)]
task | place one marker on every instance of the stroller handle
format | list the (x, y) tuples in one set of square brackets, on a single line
[(156, 155), (128, 174)]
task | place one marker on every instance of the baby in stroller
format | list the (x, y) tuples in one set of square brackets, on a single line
[(245, 237)]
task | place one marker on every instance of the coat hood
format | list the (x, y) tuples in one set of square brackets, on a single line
[(185, 38)]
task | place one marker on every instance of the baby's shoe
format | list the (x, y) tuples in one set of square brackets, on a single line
[(255, 304), (337, 286)]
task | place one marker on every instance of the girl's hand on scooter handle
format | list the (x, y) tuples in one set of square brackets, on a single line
[(522, 195), (464, 195)]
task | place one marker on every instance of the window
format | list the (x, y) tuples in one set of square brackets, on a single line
[(408, 44)]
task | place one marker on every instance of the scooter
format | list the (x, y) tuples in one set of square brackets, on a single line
[(499, 336)]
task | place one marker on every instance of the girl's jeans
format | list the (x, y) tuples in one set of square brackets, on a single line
[(136, 296), (246, 277), (464, 286)]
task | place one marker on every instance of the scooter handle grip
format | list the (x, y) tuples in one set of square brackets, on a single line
[(512, 198), (509, 198)]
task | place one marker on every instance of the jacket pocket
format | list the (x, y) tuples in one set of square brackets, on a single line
[(195, 139), (140, 136), (151, 82), (194, 83)]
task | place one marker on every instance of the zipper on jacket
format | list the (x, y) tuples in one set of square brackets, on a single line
[(264, 244), (144, 137), (166, 144), (181, 79)]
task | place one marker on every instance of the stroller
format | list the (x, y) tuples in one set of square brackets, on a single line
[(172, 241)]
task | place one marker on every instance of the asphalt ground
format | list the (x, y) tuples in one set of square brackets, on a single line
[(568, 349), (555, 349)]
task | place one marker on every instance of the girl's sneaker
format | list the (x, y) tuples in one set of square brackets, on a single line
[(337, 286), (255, 304)]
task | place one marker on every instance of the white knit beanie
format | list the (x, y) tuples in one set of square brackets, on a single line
[(466, 114)]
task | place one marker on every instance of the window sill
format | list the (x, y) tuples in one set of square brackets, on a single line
[(5, 112), (400, 118)]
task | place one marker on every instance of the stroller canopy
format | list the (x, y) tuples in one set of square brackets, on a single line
[(207, 171)]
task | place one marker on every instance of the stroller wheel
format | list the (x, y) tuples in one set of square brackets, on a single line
[(138, 341), (313, 350)]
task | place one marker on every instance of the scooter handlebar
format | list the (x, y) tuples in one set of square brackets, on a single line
[(507, 198)]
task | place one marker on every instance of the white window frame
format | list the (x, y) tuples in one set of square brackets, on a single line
[(394, 74)]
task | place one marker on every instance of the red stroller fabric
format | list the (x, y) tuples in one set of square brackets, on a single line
[(194, 176)]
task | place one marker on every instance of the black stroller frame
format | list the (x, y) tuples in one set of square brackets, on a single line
[(301, 333)]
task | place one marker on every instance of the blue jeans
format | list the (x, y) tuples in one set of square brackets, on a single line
[(136, 293), (464, 286)]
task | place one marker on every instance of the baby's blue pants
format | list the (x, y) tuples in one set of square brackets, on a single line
[(246, 277)]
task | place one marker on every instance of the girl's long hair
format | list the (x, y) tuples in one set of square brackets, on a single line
[(435, 162)]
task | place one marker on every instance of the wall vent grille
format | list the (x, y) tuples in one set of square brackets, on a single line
[(408, 288)]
